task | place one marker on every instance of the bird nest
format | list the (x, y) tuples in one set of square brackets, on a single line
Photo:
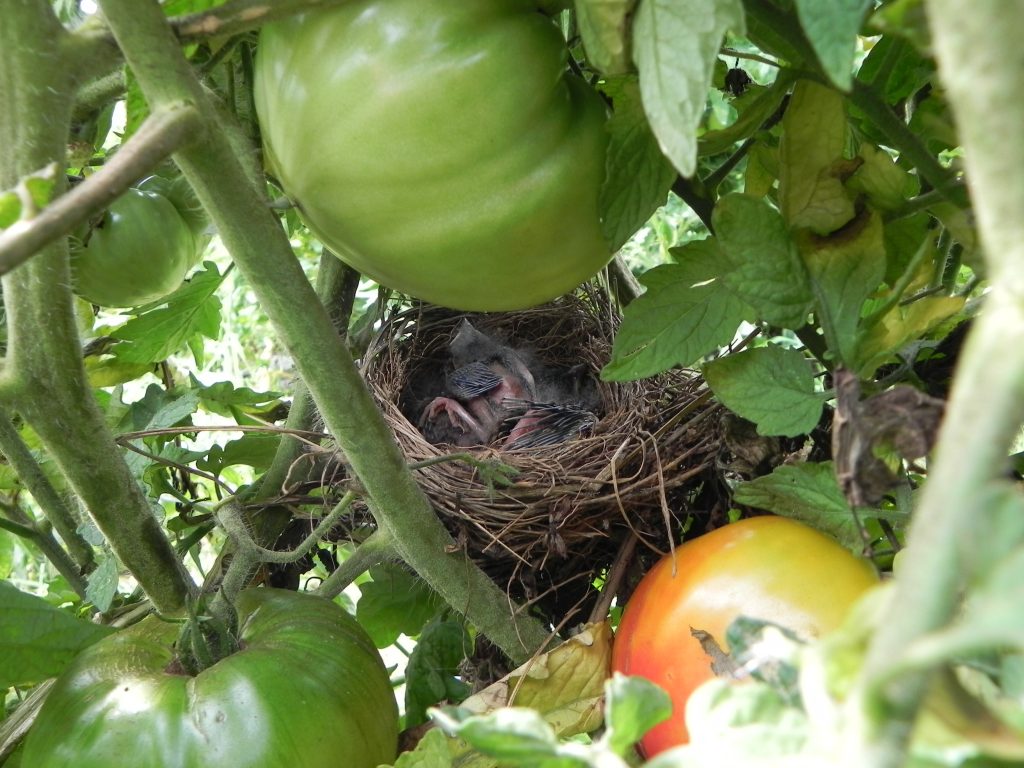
[(555, 525)]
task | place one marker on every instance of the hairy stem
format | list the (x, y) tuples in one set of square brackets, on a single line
[(377, 548), (46, 379), (261, 251), (980, 62)]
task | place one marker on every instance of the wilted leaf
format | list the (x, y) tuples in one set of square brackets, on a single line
[(675, 47), (770, 386), (902, 419), (752, 454), (37, 640), (811, 173), (565, 685)]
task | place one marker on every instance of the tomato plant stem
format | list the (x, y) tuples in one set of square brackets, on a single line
[(47, 383), (982, 65), (375, 549), (260, 248)]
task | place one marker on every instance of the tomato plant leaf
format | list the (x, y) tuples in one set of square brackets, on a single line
[(762, 169), (638, 177), (254, 449), (224, 393), (901, 325), (675, 47), (38, 640), (886, 184), (431, 752), (895, 68), (159, 408), (755, 106), (515, 736), (770, 386), (634, 706), (845, 268), (101, 587), (565, 685), (135, 105), (806, 492), (604, 26), (811, 191), (395, 602), (765, 269), (832, 30), (432, 674), (161, 330), (686, 312), (992, 619)]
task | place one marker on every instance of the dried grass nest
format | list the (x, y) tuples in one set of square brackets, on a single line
[(559, 524)]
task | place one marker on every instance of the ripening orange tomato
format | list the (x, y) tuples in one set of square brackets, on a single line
[(768, 568)]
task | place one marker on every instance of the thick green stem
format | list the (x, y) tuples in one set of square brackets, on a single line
[(53, 506), (980, 61), (261, 251), (336, 286), (46, 376)]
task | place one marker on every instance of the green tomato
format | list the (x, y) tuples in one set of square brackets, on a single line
[(184, 199), (438, 146), (307, 688), (138, 253)]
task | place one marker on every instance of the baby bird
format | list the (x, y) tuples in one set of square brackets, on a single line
[(564, 409), (486, 374), (541, 424)]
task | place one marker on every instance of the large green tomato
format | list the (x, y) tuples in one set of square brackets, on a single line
[(138, 253), (438, 146), (768, 568), (307, 688)]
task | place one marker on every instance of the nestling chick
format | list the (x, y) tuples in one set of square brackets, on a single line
[(486, 374), (541, 424)]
